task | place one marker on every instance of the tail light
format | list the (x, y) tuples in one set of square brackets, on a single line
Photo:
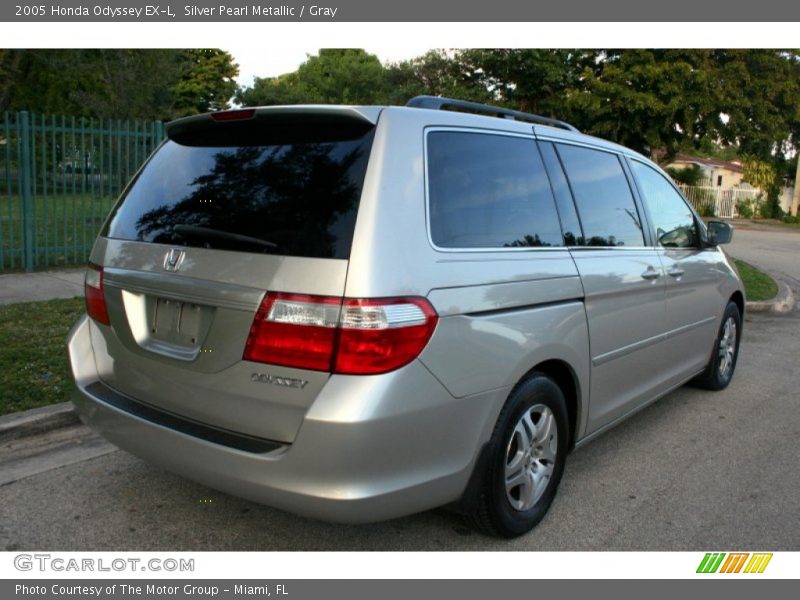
[(95, 298), (376, 336), (356, 337)]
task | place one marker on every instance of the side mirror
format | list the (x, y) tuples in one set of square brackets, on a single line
[(719, 232)]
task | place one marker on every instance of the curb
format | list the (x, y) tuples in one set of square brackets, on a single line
[(782, 303), (37, 420)]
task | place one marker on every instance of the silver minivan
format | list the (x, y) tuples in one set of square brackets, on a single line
[(358, 313)]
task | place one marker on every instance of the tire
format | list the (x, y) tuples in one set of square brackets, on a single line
[(720, 368), (504, 507)]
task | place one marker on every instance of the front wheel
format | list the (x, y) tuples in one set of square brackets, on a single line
[(527, 452), (720, 368)]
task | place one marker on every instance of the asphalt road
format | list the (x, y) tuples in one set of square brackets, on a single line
[(776, 250), (695, 471)]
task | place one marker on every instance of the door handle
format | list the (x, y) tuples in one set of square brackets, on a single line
[(675, 272), (651, 273)]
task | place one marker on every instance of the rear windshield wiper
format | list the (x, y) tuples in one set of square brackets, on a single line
[(207, 232)]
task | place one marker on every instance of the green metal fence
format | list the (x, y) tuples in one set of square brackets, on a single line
[(59, 177)]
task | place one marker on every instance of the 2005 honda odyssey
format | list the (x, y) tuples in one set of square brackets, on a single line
[(357, 313)]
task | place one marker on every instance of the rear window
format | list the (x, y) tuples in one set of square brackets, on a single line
[(489, 191), (297, 197)]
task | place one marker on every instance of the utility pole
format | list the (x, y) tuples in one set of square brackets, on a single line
[(796, 195)]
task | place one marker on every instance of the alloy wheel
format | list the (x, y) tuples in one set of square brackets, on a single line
[(531, 457)]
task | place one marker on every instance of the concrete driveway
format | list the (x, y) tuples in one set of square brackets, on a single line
[(44, 285)]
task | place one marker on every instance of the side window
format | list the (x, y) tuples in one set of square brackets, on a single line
[(673, 221), (604, 199), (489, 191)]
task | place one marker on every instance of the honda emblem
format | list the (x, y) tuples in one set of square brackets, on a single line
[(173, 259)]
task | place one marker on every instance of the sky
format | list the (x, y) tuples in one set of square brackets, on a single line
[(268, 62)]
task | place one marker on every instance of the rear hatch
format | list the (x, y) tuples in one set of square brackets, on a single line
[(230, 207)]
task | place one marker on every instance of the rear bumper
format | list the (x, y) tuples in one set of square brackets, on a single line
[(369, 448)]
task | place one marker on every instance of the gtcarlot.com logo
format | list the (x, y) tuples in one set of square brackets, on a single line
[(734, 562), (46, 562)]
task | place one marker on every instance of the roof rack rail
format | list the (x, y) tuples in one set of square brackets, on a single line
[(439, 103)]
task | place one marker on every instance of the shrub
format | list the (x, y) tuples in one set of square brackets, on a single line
[(692, 175), (771, 208), (705, 202), (706, 208), (745, 208)]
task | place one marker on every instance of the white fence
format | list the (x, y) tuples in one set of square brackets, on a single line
[(723, 200), (786, 198)]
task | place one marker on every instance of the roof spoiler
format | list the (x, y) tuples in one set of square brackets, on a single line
[(319, 122)]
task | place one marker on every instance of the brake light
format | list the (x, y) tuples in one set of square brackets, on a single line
[(234, 115), (350, 336), (95, 298)]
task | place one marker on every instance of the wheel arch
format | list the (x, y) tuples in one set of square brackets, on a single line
[(738, 298), (566, 378)]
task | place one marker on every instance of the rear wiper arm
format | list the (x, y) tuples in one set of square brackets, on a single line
[(197, 231)]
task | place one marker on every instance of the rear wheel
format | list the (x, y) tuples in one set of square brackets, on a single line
[(526, 459), (720, 368)]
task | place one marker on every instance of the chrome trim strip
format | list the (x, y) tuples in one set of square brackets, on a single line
[(625, 350), (595, 143), (607, 248), (678, 331), (602, 359), (186, 289)]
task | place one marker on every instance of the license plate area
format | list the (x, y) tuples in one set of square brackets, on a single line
[(168, 326), (177, 322)]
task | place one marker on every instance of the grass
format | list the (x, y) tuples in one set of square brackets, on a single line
[(758, 285), (789, 225), (65, 226), (33, 356)]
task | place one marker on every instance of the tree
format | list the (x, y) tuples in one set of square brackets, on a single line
[(118, 83), (206, 83), (757, 90), (270, 91), (762, 175), (644, 99), (721, 101), (10, 62), (669, 100), (435, 73), (758, 173), (334, 76), (693, 175), (527, 79), (106, 83)]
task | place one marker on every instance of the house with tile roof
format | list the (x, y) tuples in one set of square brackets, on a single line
[(724, 174)]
